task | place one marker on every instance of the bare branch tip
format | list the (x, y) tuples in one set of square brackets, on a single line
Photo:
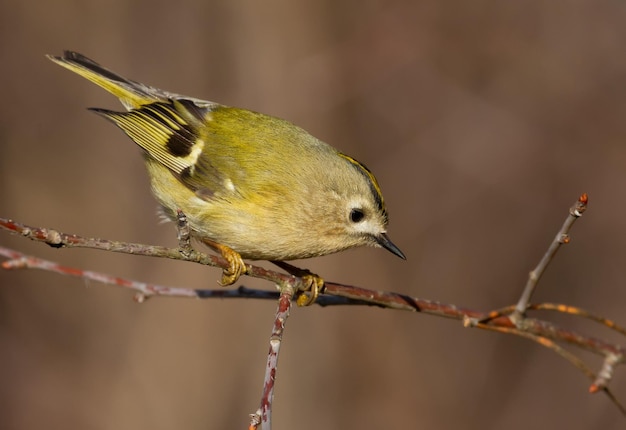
[(583, 199), (581, 205)]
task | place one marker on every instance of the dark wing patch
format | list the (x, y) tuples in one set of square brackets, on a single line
[(169, 132)]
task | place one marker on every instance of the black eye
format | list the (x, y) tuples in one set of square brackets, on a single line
[(357, 215)]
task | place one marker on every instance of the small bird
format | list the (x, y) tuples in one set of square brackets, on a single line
[(251, 185)]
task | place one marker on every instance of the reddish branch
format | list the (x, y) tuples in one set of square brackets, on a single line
[(263, 415), (510, 320), (561, 238)]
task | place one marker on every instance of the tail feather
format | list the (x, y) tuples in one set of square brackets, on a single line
[(132, 94)]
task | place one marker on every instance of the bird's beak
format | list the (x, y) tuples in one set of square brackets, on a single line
[(383, 240)]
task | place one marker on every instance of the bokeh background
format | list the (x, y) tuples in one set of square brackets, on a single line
[(483, 122)]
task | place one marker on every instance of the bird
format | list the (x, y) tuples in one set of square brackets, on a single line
[(252, 186)]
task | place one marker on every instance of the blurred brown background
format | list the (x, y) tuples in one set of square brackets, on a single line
[(483, 122)]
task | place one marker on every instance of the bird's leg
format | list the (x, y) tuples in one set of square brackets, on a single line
[(313, 285), (236, 266)]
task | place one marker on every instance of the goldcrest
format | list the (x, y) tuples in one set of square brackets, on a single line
[(252, 186)]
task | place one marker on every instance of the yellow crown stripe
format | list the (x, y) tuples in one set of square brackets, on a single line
[(375, 188)]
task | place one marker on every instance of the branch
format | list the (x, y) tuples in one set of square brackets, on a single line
[(509, 320), (562, 237), (350, 294), (263, 415), (58, 239)]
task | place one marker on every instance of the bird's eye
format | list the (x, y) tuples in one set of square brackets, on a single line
[(357, 215)]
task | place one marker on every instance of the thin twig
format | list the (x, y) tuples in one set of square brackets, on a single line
[(57, 239), (562, 237), (264, 413), (560, 308), (143, 290), (579, 312)]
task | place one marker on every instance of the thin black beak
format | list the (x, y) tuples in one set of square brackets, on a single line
[(383, 240)]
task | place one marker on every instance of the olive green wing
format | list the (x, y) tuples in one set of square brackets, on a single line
[(173, 132)]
